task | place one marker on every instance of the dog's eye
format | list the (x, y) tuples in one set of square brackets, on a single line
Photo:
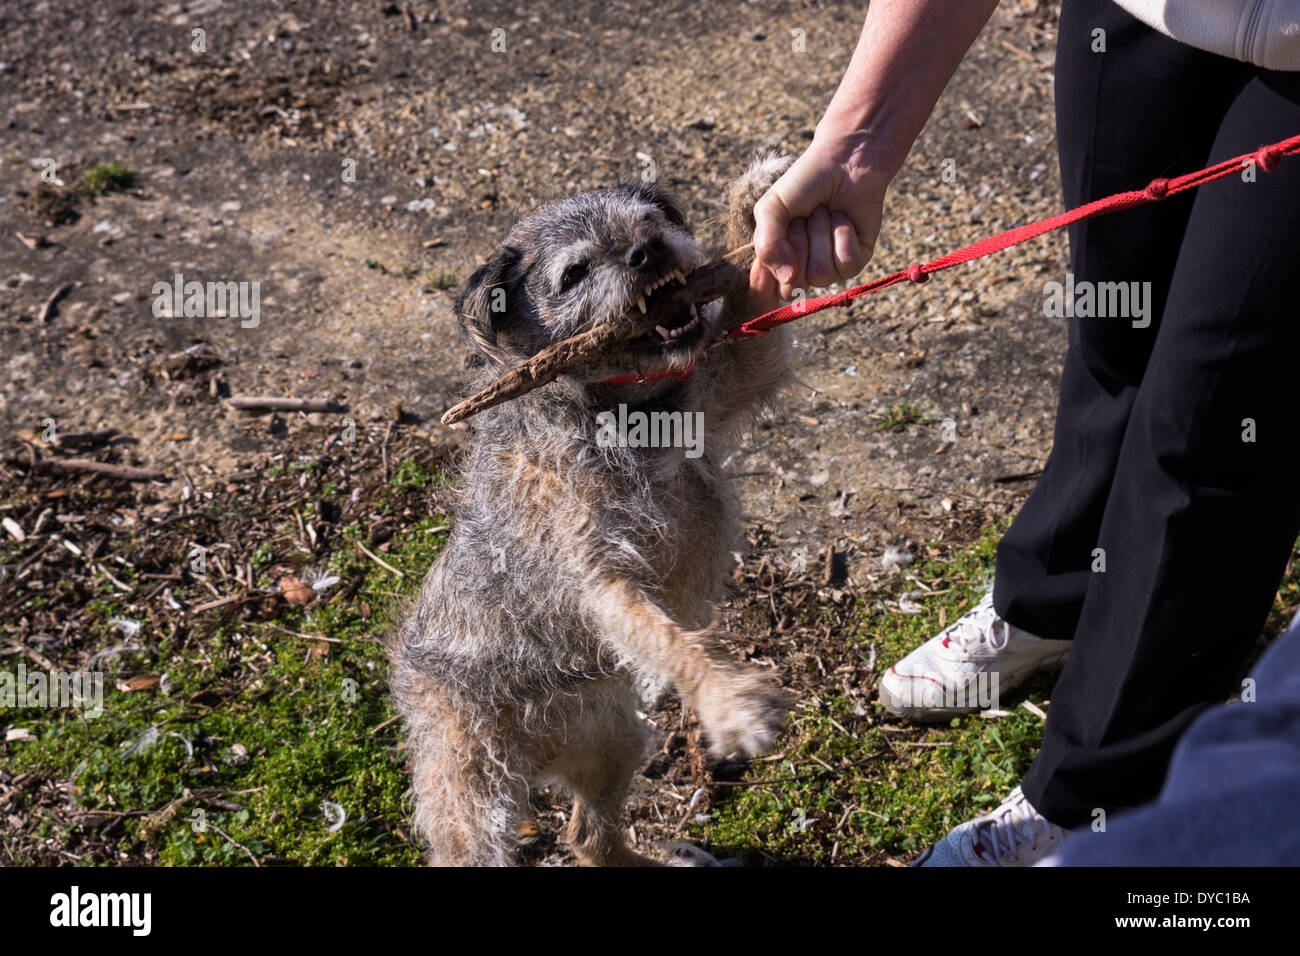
[(573, 275)]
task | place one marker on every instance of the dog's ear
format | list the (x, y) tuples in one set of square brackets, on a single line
[(484, 305), (654, 194)]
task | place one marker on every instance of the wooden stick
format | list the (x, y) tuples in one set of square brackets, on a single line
[(271, 403), (84, 466), (31, 652), (98, 437), (708, 282), (48, 308), (378, 560)]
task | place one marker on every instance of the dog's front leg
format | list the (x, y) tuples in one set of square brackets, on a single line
[(740, 710), (753, 370)]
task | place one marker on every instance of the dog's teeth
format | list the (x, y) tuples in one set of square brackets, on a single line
[(680, 277), (640, 303), (663, 333)]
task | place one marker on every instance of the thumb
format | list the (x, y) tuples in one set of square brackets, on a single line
[(771, 227)]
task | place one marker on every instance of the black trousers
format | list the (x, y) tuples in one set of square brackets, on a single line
[(1177, 446)]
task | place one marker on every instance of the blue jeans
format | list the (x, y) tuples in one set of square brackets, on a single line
[(1232, 795)]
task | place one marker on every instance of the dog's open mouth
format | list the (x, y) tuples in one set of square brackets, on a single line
[(680, 330)]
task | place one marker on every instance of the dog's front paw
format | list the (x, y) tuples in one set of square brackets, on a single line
[(742, 195), (742, 711)]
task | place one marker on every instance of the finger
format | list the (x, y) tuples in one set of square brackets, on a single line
[(849, 257), (771, 227), (799, 241), (764, 290), (821, 254)]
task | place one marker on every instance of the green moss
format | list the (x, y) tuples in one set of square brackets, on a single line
[(410, 474), (106, 178)]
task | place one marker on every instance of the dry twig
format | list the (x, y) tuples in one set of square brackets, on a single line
[(48, 308), (83, 466), (710, 281), (274, 404)]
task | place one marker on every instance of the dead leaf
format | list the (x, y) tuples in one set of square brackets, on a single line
[(295, 591), (138, 682)]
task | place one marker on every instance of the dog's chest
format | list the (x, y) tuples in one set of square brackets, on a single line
[(690, 544)]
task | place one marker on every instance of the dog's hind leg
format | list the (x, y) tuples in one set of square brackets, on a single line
[(469, 798), (603, 750)]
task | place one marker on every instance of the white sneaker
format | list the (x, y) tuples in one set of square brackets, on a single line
[(966, 667), (1015, 834)]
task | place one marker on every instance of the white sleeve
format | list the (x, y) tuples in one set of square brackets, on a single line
[(1263, 32)]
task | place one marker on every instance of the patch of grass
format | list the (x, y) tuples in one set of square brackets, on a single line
[(106, 178), (856, 784), (442, 282), (256, 737), (410, 474), (903, 416)]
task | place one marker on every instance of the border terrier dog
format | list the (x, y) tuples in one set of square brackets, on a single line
[(581, 570)]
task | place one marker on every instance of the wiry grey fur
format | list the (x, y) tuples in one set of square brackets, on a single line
[(573, 570)]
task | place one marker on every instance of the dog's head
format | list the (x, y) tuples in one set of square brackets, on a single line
[(581, 262)]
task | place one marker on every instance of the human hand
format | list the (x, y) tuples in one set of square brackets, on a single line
[(818, 223)]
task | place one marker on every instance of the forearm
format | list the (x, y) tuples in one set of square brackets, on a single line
[(905, 56)]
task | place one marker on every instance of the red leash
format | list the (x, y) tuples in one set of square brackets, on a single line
[(1266, 158)]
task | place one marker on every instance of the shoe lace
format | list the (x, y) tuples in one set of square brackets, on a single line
[(1011, 825), (981, 626)]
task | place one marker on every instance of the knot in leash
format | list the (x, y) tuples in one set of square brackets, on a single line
[(916, 275), (1268, 157), (1157, 190)]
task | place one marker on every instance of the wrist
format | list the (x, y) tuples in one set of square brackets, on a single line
[(858, 147)]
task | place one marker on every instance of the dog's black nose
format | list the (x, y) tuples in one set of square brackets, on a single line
[(648, 255)]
